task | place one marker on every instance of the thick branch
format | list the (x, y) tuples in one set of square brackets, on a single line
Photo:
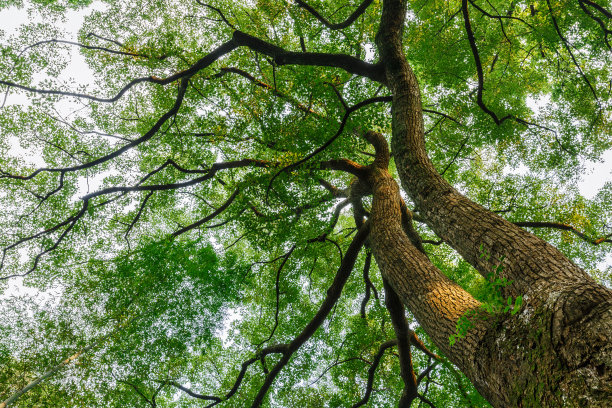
[(282, 57)]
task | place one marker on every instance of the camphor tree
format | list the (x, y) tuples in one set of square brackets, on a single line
[(290, 203)]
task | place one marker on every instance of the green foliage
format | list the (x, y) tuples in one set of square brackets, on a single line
[(193, 308), (493, 301)]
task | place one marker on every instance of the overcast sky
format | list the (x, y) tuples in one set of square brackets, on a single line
[(595, 176)]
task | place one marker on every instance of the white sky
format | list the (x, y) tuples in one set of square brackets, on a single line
[(596, 175)]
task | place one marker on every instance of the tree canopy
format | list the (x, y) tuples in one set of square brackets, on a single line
[(190, 220)]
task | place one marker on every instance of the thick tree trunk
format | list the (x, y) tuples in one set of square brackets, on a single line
[(557, 351)]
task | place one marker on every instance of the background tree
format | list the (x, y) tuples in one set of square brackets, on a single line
[(215, 218)]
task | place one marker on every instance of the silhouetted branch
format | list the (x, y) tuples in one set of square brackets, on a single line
[(455, 156), (138, 214), (210, 173), (148, 135), (403, 334), (194, 394), (209, 217), (372, 370), (287, 350), (569, 50), (367, 282), (427, 371), (282, 57), (333, 294), (140, 393), (499, 17), (564, 227), (182, 75), (338, 26), (472, 41), (69, 223), (598, 20), (277, 291), (216, 10), (274, 91), (345, 118)]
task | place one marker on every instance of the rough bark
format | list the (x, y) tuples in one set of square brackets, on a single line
[(557, 351), (436, 301)]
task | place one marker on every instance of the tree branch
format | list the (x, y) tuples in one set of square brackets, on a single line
[(372, 370), (333, 294), (338, 26), (403, 334), (564, 227), (282, 57), (479, 72), (209, 217), (277, 291), (569, 50)]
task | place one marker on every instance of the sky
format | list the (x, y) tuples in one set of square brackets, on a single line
[(595, 176)]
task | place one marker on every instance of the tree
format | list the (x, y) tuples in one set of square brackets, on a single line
[(245, 159)]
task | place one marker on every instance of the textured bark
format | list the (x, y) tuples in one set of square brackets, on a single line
[(557, 350), (436, 301)]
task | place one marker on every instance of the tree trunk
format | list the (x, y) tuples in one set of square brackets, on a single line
[(557, 351)]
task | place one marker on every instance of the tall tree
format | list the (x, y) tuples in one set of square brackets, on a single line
[(203, 202)]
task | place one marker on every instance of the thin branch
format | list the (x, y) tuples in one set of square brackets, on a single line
[(209, 217), (140, 393), (202, 63), (148, 135), (216, 10), (372, 370), (499, 17), (210, 173), (455, 156), (598, 20), (12, 398), (268, 87), (444, 115), (368, 283), (287, 350), (403, 335), (333, 294), (338, 26), (599, 8), (138, 214), (343, 122), (194, 394), (69, 223), (564, 227), (479, 71), (277, 291), (427, 371), (569, 50)]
